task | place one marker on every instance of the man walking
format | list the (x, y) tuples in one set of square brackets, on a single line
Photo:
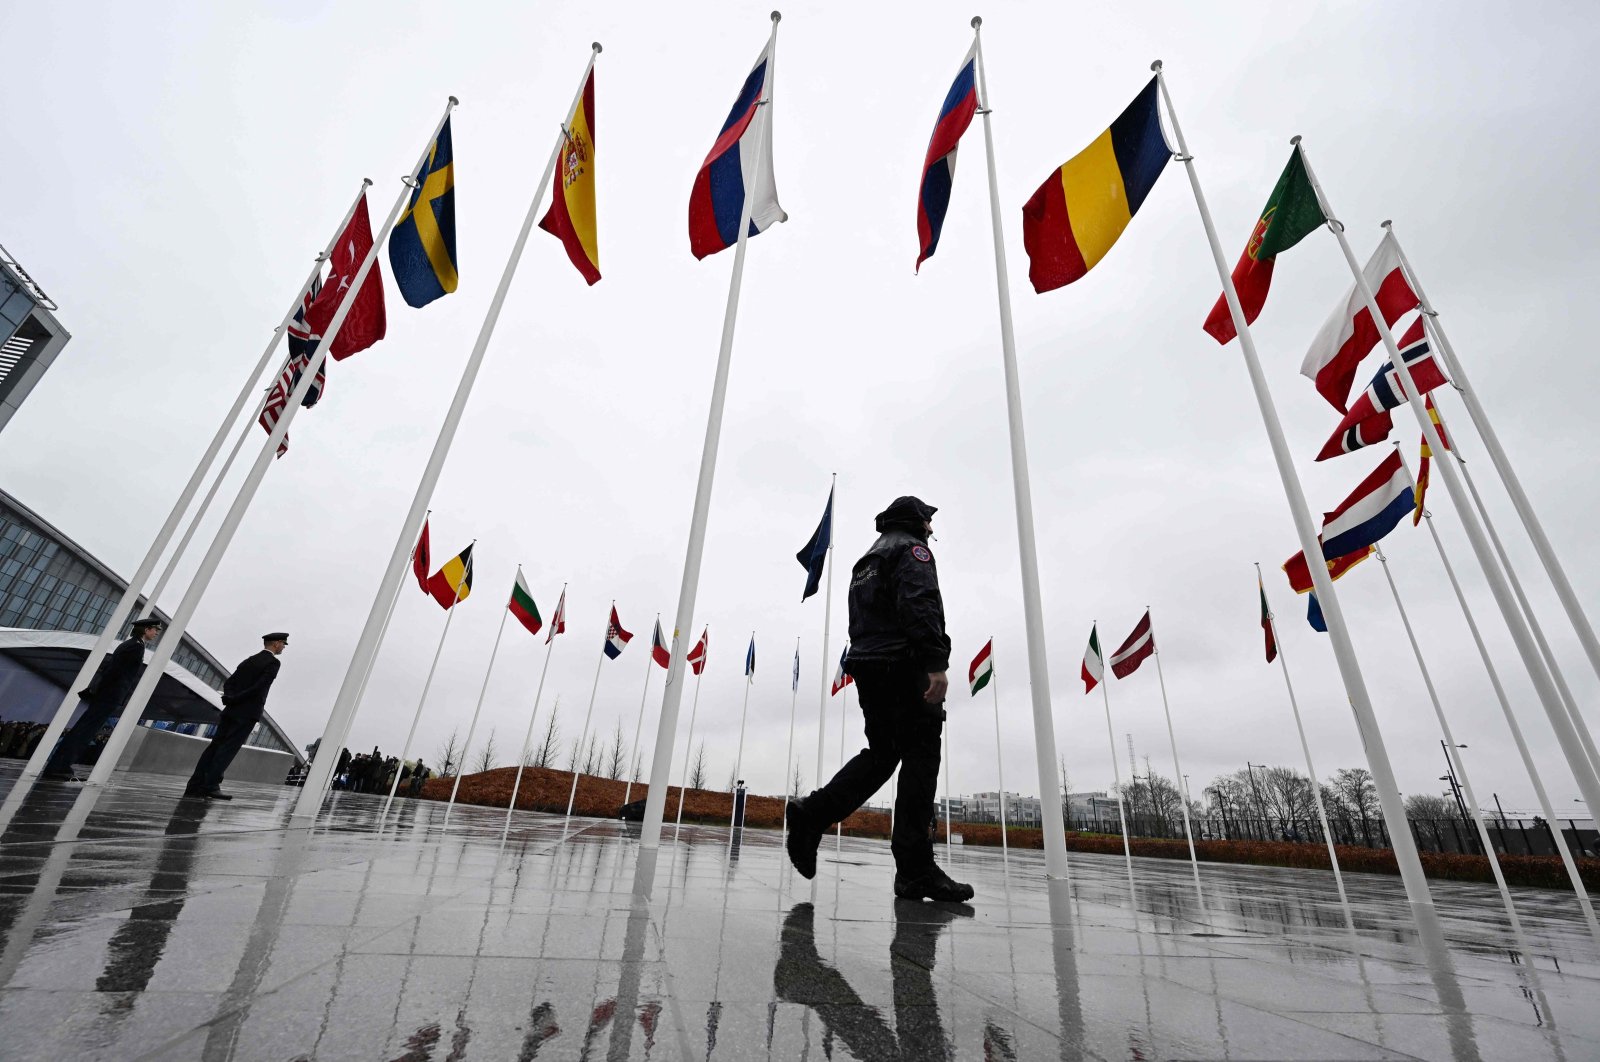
[(899, 654), (104, 697), (244, 702)]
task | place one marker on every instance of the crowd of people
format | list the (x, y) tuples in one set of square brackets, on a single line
[(18, 738), (373, 772)]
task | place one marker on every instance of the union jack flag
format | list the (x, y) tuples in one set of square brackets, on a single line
[(302, 346)]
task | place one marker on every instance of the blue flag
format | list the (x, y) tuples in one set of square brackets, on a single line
[(1314, 615), (422, 250), (814, 554), (750, 658)]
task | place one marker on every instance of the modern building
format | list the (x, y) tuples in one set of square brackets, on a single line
[(30, 336), (55, 598), (1020, 810), (1093, 810)]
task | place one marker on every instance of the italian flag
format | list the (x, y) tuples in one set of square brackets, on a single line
[(1094, 665), (982, 669), (522, 606)]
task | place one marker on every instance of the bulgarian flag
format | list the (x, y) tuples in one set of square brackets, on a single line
[(982, 669), (1094, 665), (522, 605), (1266, 623)]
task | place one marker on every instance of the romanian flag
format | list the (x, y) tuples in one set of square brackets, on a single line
[(571, 217), (1427, 455), (422, 250), (1081, 208), (522, 606), (452, 583)]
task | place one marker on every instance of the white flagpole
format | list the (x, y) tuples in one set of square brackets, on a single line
[(1044, 735), (1452, 749), (1311, 768), (1116, 771), (583, 738), (344, 705), (472, 727), (130, 596), (1407, 860), (949, 841), (241, 504), (738, 758), (427, 683), (788, 756), (688, 749), (1183, 796), (999, 760), (844, 708), (527, 740), (1508, 475), (633, 762), (827, 664), (1549, 699), (667, 726)]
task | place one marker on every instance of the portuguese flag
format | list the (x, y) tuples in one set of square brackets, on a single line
[(982, 669), (1291, 214), (1266, 623), (522, 606)]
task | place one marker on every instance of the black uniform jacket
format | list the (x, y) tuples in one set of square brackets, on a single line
[(896, 613), (117, 674), (245, 692)]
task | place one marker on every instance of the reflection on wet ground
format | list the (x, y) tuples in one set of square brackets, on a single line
[(136, 925)]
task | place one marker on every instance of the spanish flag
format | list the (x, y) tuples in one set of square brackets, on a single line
[(571, 217), (1081, 208), (453, 582)]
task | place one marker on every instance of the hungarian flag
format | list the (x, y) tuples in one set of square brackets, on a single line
[(420, 559), (1427, 456), (981, 670), (558, 622), (939, 167), (522, 605), (1139, 647), (1291, 214), (365, 324), (617, 639), (1094, 665), (841, 678), (452, 583), (1266, 623), (697, 655), (1349, 334), (659, 651), (571, 217)]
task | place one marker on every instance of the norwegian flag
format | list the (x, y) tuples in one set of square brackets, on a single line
[(302, 347)]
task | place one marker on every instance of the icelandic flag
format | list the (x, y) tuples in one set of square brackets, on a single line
[(658, 646), (750, 660), (813, 556), (841, 678), (1382, 500), (736, 167), (617, 639), (1369, 421), (939, 167)]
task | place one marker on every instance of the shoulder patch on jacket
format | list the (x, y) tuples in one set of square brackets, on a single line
[(921, 553)]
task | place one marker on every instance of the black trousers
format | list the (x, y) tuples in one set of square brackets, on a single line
[(232, 732), (903, 731), (95, 716)]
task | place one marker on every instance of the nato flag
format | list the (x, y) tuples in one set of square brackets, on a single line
[(814, 554)]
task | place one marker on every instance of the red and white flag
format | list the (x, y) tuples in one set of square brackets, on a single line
[(697, 655), (1138, 648), (421, 562), (1349, 334), (659, 650), (558, 622), (841, 678), (365, 324), (1369, 420)]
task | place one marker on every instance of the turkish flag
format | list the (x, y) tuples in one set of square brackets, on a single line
[(365, 324)]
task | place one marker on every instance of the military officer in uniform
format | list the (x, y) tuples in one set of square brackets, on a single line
[(104, 697), (244, 702), (899, 654)]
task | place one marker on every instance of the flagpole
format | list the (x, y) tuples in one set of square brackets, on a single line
[(827, 665), (130, 596), (416, 716), (1055, 837), (344, 706), (949, 841), (1549, 699), (1451, 749), (1116, 775), (1311, 768), (999, 759), (688, 748), (667, 726), (527, 740), (1408, 862), (633, 766), (583, 738), (738, 758), (844, 708), (1183, 796), (788, 756), (472, 727)]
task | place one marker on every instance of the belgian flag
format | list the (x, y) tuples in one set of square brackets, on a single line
[(453, 582)]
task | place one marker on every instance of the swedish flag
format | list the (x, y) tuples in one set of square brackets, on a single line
[(422, 251)]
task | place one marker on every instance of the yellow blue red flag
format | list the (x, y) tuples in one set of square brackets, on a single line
[(422, 250)]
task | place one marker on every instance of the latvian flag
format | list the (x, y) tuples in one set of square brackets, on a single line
[(697, 655), (1139, 647), (939, 167), (982, 668), (658, 646), (1349, 334), (1369, 421), (617, 639), (522, 606), (735, 167), (841, 678), (558, 622), (1094, 665)]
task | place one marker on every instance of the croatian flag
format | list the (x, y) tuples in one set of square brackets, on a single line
[(735, 167), (658, 646), (841, 678), (1368, 421), (1381, 501), (617, 639), (939, 167)]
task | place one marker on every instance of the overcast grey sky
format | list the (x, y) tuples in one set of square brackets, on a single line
[(178, 166)]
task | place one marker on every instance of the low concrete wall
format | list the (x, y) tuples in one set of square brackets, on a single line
[(169, 752)]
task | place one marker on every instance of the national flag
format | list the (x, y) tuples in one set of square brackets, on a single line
[(1139, 647), (795, 684), (1292, 213), (750, 660), (813, 556), (421, 561), (617, 639), (366, 322), (422, 249), (660, 652), (697, 655), (981, 670), (1266, 623), (939, 166), (1075, 216), (1369, 421), (1349, 335), (571, 217), (278, 397), (1094, 664), (522, 606), (1314, 614), (1373, 509), (842, 678), (1299, 572), (1423, 467), (736, 167), (558, 622), (452, 584)]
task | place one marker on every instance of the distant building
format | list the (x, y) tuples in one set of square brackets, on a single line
[(30, 336), (1092, 810), (1020, 810)]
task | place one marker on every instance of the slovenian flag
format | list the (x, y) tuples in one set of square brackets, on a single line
[(735, 167), (658, 646), (939, 167), (841, 678), (617, 639)]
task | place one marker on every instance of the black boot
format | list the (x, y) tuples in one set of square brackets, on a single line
[(803, 840), (931, 884)]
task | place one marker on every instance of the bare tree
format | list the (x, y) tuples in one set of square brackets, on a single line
[(697, 773), (592, 755), (1431, 816), (797, 782), (449, 754), (1358, 798), (546, 753), (486, 755), (616, 755)]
